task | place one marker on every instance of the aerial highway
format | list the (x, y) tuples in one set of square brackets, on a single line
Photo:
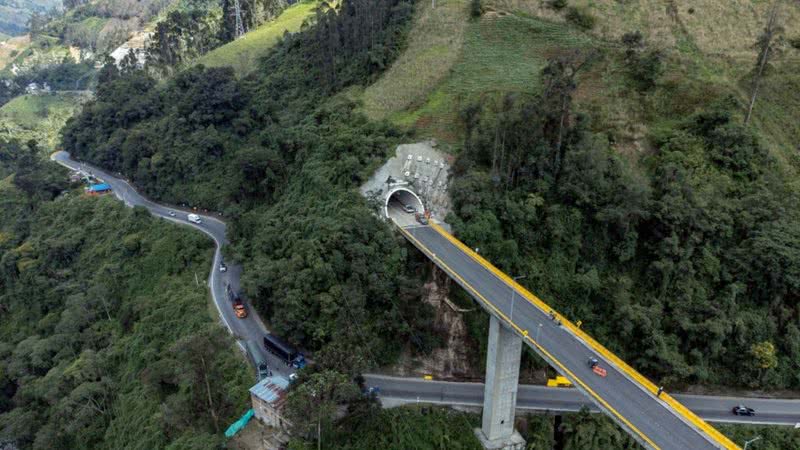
[(396, 391), (658, 420)]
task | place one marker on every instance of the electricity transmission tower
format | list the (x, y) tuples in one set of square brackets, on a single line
[(237, 12)]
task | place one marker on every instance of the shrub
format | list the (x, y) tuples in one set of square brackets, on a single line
[(580, 17), (475, 8), (558, 5), (795, 42)]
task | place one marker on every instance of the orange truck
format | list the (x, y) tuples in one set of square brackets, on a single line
[(238, 305)]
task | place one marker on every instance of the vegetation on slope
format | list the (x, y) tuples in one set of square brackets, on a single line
[(38, 117), (434, 45), (195, 28), (430, 427), (24, 54), (675, 260), (15, 14), (243, 54), (499, 55), (585, 200), (280, 153), (685, 264), (106, 338)]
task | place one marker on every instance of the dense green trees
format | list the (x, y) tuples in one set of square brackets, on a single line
[(106, 338), (183, 36), (281, 155), (682, 264), (65, 76)]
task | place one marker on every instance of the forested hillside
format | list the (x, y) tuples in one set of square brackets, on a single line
[(280, 154), (106, 340), (685, 264), (636, 198), (682, 260)]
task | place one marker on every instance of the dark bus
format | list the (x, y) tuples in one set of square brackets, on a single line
[(284, 351)]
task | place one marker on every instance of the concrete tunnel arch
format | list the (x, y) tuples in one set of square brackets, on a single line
[(406, 197)]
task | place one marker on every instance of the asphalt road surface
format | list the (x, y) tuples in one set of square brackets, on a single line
[(395, 391), (405, 390), (249, 328), (643, 411)]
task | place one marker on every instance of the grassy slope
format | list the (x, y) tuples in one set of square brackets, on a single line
[(499, 54), (241, 53), (709, 44), (27, 54), (11, 47), (38, 117), (435, 42), (709, 53), (717, 27)]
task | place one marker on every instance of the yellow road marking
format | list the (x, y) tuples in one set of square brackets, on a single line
[(599, 348), (534, 343)]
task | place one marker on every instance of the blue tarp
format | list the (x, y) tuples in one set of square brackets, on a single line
[(99, 187), (239, 424)]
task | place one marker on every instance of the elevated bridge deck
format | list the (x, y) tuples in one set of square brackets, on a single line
[(624, 394)]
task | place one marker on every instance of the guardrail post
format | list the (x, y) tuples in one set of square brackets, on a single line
[(500, 392)]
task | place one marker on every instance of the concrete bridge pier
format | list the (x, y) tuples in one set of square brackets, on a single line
[(500, 394)]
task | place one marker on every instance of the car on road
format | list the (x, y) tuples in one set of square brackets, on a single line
[(409, 209), (263, 371), (172, 213), (371, 391), (741, 410), (194, 218), (223, 267), (593, 362)]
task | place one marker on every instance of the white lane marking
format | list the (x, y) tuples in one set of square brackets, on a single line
[(217, 250)]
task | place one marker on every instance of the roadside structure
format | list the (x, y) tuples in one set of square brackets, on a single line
[(98, 189), (268, 397)]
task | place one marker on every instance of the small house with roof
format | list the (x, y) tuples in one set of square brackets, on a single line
[(268, 397)]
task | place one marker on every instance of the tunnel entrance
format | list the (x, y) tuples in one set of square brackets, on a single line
[(401, 205)]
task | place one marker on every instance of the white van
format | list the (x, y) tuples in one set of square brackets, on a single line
[(194, 218)]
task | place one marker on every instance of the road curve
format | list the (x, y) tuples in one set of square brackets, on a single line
[(249, 328), (406, 390)]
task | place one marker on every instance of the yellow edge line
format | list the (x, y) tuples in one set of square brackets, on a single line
[(534, 343), (599, 348)]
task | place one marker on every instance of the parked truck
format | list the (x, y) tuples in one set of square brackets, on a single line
[(288, 354)]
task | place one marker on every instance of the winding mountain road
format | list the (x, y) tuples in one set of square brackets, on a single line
[(396, 390), (249, 328)]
